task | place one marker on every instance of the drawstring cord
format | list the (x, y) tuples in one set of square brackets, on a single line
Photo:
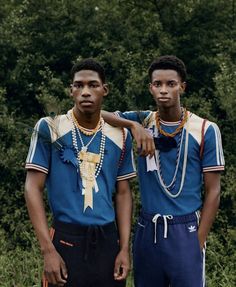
[(165, 218), (92, 238)]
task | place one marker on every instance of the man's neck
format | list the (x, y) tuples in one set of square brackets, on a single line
[(88, 121), (170, 115)]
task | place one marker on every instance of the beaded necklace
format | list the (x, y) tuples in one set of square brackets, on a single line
[(87, 132), (84, 148), (169, 187), (184, 119), (90, 164)]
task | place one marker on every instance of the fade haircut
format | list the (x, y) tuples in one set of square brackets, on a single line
[(168, 62), (89, 64)]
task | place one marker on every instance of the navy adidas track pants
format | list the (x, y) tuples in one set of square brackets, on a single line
[(166, 252)]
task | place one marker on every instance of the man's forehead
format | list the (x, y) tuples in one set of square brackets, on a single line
[(88, 75), (166, 75)]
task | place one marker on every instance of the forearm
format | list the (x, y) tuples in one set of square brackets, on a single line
[(36, 210), (38, 218), (143, 138), (124, 213), (208, 214), (210, 206), (54, 267), (116, 121)]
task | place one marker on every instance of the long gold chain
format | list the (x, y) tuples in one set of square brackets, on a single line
[(85, 131), (178, 129)]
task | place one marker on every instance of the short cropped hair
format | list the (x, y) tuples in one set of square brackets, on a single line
[(89, 64), (168, 62)]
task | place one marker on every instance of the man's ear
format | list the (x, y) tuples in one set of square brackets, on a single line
[(106, 90), (71, 95), (150, 88), (182, 87)]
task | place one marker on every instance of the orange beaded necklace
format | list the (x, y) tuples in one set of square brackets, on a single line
[(178, 129), (87, 132)]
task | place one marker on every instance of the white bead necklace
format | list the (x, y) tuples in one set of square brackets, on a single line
[(167, 187), (171, 185), (85, 147)]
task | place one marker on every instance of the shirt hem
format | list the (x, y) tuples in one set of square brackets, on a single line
[(213, 168), (126, 176), (36, 167)]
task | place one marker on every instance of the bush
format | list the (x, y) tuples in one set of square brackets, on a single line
[(19, 267)]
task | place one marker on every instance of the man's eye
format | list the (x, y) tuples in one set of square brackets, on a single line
[(172, 84), (156, 84), (94, 86), (77, 85)]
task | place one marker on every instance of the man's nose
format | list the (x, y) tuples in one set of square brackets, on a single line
[(163, 89), (85, 91)]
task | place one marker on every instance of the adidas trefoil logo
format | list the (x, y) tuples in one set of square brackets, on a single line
[(192, 228)]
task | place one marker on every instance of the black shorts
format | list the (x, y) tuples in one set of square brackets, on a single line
[(89, 253)]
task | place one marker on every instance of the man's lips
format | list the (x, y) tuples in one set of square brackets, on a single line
[(86, 103), (163, 99)]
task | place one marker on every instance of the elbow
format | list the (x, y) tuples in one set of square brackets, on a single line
[(217, 192), (216, 197), (212, 196), (217, 200), (26, 192)]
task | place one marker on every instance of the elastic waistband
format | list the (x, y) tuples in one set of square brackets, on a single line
[(174, 220), (77, 229)]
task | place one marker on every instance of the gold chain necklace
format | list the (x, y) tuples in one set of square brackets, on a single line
[(178, 129), (85, 131)]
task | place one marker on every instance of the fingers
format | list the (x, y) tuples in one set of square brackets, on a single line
[(144, 140), (152, 148), (143, 150), (56, 272), (64, 270), (138, 143), (121, 272), (122, 266), (116, 269), (54, 277), (146, 146)]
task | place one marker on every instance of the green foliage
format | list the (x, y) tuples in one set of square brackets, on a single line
[(225, 93), (19, 267), (39, 42), (13, 148), (218, 266)]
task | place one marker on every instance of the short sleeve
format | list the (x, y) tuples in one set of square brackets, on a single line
[(40, 146), (213, 157), (127, 168)]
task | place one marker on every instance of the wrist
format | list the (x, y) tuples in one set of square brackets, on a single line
[(202, 236), (124, 248), (47, 248), (133, 124)]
